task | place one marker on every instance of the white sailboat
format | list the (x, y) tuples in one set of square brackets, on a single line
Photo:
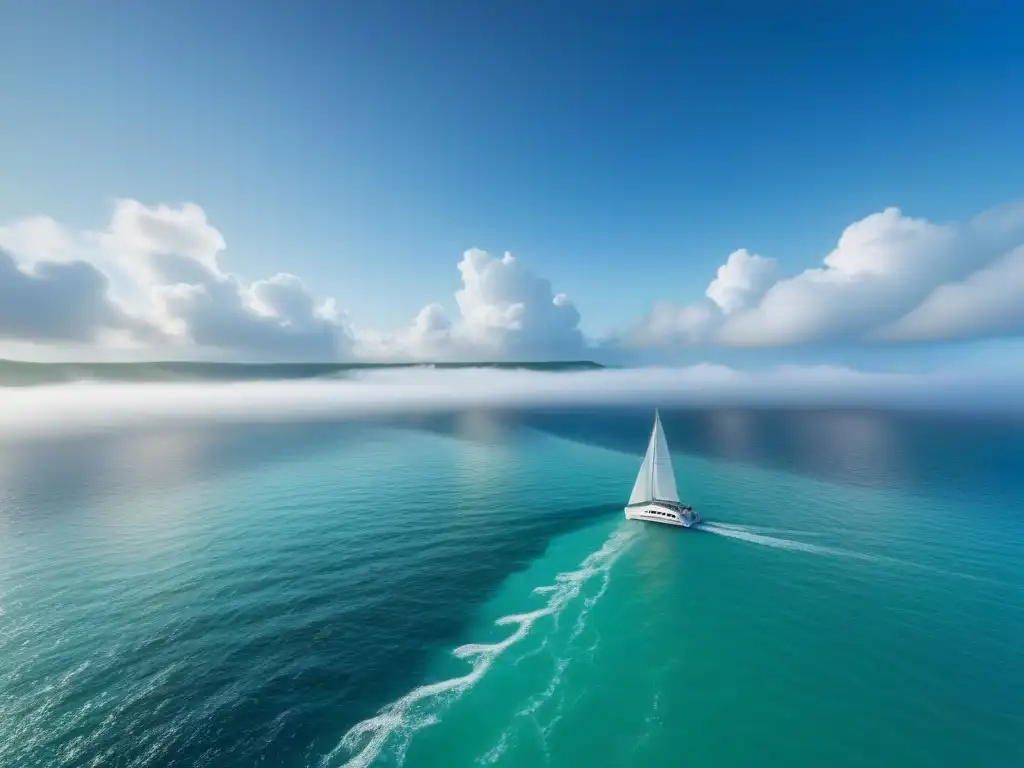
[(654, 495)]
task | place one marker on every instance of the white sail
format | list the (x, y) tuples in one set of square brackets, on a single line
[(663, 486), (644, 485), (656, 479)]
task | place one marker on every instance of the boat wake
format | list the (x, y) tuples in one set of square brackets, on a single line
[(760, 536), (395, 725), (757, 529), (754, 536), (559, 663)]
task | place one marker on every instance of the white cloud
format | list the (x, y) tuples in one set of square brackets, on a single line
[(172, 252), (62, 301), (152, 280), (165, 259), (738, 284), (505, 306), (691, 325), (36, 238), (429, 337), (271, 319), (506, 312), (34, 411), (137, 231), (881, 266), (741, 281), (881, 270), (153, 274), (989, 302)]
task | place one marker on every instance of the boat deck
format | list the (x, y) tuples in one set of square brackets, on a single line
[(676, 505)]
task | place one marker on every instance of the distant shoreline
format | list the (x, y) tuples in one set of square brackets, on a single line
[(25, 373)]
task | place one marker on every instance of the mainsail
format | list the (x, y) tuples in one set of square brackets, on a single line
[(656, 481)]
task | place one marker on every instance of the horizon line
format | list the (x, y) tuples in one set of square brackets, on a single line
[(319, 363)]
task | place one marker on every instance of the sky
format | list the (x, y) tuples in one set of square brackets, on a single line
[(752, 183)]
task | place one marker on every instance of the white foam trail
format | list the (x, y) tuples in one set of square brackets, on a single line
[(581, 618), (366, 739), (798, 546), (91, 405), (496, 751), (818, 549), (529, 710), (530, 654), (762, 530), (588, 603), (537, 701)]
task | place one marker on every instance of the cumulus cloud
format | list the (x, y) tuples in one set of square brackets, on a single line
[(741, 281), (154, 274), (882, 265), (738, 284), (890, 276), (505, 305), (269, 319), (36, 238), (138, 231), (172, 252), (989, 302), (38, 411), (506, 312), (54, 301), (668, 323), (57, 286), (428, 337), (152, 279)]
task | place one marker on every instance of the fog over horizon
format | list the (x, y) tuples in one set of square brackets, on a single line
[(84, 406)]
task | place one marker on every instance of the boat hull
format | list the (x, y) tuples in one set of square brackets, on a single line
[(664, 513)]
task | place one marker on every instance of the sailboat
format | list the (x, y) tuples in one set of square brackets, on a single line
[(654, 495)]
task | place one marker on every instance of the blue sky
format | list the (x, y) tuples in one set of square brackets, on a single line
[(622, 151)]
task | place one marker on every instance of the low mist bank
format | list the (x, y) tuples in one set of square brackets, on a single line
[(84, 406), (17, 373)]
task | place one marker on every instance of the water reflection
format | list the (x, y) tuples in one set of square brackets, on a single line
[(874, 448), (41, 478), (480, 459), (960, 454), (481, 426), (732, 434)]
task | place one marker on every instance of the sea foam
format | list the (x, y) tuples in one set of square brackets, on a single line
[(397, 723)]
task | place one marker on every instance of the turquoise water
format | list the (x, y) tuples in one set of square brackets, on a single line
[(463, 590)]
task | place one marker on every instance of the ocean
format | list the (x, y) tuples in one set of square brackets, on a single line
[(457, 586)]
